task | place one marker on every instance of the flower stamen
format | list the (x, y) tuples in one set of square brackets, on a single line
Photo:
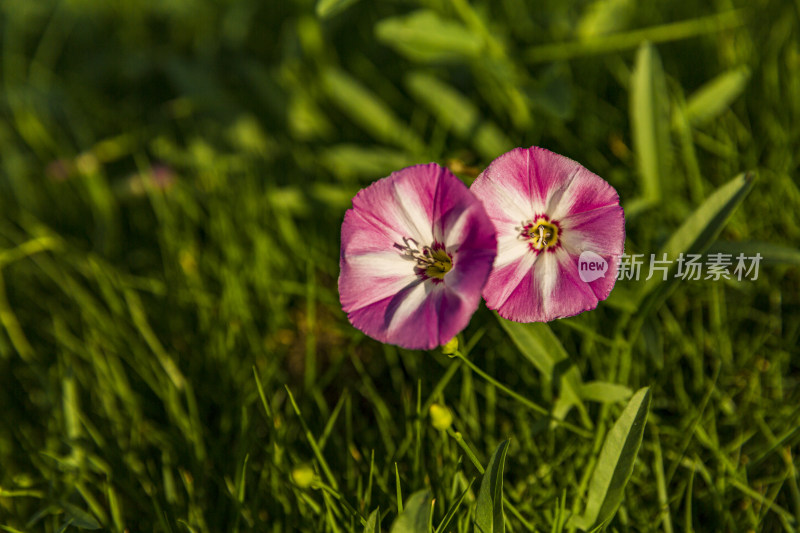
[(433, 262), (541, 234)]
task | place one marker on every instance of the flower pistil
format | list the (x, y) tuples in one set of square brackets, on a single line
[(541, 233), (433, 262)]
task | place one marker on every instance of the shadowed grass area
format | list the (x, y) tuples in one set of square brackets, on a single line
[(173, 177)]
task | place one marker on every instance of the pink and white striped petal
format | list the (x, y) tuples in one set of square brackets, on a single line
[(417, 248), (570, 210)]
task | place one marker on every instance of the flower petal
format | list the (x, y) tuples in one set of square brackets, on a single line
[(505, 195), (550, 289), (510, 285), (524, 182), (402, 203), (530, 287), (372, 277), (421, 316), (600, 230), (430, 322), (569, 294), (379, 285), (585, 191)]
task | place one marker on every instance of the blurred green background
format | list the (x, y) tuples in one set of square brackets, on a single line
[(174, 175)]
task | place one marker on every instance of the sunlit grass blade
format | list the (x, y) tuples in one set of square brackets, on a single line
[(261, 395), (350, 161), (777, 254), (415, 517), (451, 513), (650, 122), (450, 107), (10, 529), (313, 443), (398, 488), (605, 44), (329, 8), (615, 463), (701, 227), (603, 17), (714, 97), (368, 110), (604, 392), (373, 522), (457, 113), (425, 36), (489, 517)]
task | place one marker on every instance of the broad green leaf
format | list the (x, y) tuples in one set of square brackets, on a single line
[(329, 8), (615, 463), (601, 391), (538, 343), (715, 96), (416, 514), (373, 522), (367, 110), (650, 122), (701, 227), (489, 505), (770, 252), (426, 37)]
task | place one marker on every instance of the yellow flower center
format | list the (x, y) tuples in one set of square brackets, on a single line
[(437, 264), (542, 234), (433, 262)]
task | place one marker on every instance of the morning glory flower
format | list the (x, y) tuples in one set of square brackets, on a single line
[(560, 233), (417, 249)]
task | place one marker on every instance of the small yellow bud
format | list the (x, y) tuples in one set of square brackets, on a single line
[(441, 417), (450, 347), (303, 476)]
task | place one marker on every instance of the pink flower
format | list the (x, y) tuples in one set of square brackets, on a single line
[(558, 225), (417, 248)]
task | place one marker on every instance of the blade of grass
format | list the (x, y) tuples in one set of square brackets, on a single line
[(631, 39), (715, 96), (373, 522), (329, 8), (451, 513), (415, 517), (521, 399), (313, 443), (489, 516), (650, 122), (615, 463)]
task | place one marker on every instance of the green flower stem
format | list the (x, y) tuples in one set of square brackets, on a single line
[(521, 399)]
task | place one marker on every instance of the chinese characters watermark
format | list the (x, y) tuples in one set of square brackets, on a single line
[(689, 267)]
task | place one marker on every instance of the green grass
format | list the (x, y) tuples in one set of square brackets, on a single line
[(173, 176)]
